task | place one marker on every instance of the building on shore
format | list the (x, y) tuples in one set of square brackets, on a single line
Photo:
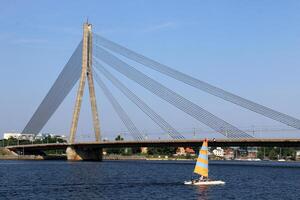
[(190, 151), (144, 150), (219, 152), (252, 152), (240, 153), (297, 155), (19, 136), (31, 137), (181, 151), (229, 154)]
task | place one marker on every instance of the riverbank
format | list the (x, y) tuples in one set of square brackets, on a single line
[(5, 154), (21, 157)]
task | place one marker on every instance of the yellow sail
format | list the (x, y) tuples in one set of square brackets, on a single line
[(202, 160)]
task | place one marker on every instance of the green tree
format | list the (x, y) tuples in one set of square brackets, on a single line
[(119, 138), (272, 154), (162, 151), (117, 150)]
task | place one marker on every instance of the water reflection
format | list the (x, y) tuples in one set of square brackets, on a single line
[(202, 191)]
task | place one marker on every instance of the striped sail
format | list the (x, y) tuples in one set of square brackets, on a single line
[(202, 160)]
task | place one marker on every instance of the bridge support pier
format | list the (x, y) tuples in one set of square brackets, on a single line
[(83, 154)]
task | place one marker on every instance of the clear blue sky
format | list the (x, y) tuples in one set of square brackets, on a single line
[(251, 48)]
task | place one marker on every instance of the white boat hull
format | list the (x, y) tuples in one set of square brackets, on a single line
[(204, 183)]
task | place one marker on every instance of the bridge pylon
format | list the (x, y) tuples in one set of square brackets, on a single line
[(86, 73)]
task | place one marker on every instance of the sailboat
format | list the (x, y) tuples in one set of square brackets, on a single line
[(201, 168)]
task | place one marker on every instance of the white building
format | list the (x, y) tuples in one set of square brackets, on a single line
[(63, 137), (19, 136), (39, 137), (180, 151), (218, 152), (6, 136), (31, 137), (298, 155)]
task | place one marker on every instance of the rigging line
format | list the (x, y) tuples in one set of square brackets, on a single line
[(121, 113), (225, 130), (53, 103), (250, 105), (31, 126), (46, 105), (45, 111), (124, 90), (279, 118), (61, 88), (211, 120), (138, 102), (220, 126), (139, 77), (160, 96), (68, 75), (119, 110)]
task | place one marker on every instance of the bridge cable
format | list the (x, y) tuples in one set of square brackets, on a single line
[(53, 99), (280, 118), (170, 96), (181, 104), (196, 113), (59, 90), (136, 134), (250, 105), (140, 103)]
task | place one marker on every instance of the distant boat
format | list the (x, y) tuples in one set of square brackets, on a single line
[(201, 168), (281, 160)]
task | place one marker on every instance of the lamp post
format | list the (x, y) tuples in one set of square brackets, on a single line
[(194, 132)]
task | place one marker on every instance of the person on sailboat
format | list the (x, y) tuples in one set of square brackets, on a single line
[(201, 178)]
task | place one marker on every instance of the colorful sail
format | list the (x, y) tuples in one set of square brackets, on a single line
[(202, 160)]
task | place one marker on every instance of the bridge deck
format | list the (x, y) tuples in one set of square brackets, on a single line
[(163, 143)]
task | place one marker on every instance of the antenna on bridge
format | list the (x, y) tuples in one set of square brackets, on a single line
[(86, 73)]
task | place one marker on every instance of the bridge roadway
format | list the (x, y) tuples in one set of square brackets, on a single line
[(254, 142)]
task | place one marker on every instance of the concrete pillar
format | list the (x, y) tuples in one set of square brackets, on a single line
[(83, 154), (86, 73)]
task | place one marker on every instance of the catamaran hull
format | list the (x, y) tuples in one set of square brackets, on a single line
[(204, 183)]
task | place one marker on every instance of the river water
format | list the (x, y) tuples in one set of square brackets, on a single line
[(146, 180)]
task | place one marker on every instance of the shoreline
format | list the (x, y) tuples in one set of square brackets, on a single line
[(132, 158)]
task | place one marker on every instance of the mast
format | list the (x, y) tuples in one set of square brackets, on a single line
[(201, 167)]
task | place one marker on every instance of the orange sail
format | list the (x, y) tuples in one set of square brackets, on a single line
[(202, 160)]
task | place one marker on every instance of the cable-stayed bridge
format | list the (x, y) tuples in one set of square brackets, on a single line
[(96, 55)]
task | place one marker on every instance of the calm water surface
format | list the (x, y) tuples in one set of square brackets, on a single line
[(145, 180)]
